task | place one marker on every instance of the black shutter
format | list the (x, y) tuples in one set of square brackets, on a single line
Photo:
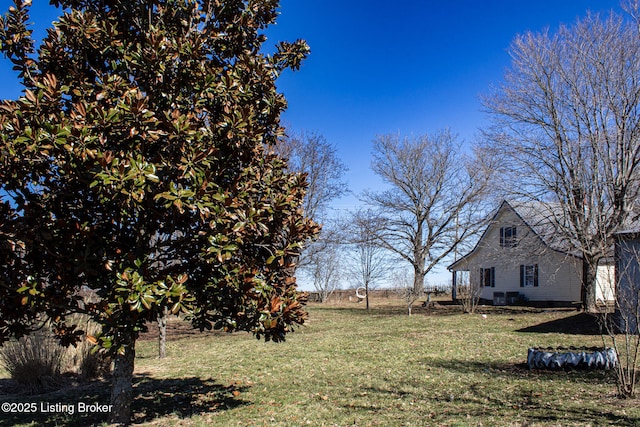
[(501, 236), (535, 275), (493, 277), (522, 276), (481, 277)]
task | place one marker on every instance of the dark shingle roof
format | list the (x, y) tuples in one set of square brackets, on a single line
[(541, 218), (546, 220)]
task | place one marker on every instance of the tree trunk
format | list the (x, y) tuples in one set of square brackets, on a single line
[(162, 333), (588, 293), (122, 387), (418, 261), (366, 294), (418, 280), (454, 286)]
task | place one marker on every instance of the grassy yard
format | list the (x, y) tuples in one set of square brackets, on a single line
[(350, 367)]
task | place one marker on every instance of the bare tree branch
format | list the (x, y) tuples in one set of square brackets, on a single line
[(435, 200), (566, 126), (312, 154)]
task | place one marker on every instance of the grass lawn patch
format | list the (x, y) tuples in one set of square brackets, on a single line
[(351, 367)]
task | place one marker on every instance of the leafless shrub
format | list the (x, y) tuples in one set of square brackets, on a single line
[(405, 288), (469, 297), (620, 327)]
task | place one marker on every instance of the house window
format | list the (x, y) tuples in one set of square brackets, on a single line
[(528, 275), (488, 277), (508, 237)]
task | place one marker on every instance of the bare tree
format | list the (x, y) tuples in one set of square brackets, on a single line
[(566, 128), (632, 8), (371, 263), (312, 154), (434, 202), (325, 270)]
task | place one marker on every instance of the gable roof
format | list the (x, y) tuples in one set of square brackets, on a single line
[(540, 218), (543, 219)]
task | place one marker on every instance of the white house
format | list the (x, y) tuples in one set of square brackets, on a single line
[(520, 257)]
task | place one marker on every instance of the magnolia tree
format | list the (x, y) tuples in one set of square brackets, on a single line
[(141, 134)]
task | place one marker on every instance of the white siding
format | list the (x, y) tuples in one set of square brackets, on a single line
[(605, 279), (559, 274)]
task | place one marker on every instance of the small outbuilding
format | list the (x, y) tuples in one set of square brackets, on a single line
[(627, 255)]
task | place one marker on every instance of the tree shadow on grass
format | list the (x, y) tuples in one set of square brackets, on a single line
[(153, 399), (443, 408), (525, 403), (578, 324), (183, 397), (532, 404), (522, 371)]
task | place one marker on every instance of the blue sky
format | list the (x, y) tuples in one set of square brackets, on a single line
[(407, 67), (404, 67)]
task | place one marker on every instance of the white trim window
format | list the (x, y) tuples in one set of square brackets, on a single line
[(488, 277), (528, 275), (508, 237)]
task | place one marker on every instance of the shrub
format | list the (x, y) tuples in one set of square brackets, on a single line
[(37, 362), (469, 297), (34, 362), (84, 360)]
